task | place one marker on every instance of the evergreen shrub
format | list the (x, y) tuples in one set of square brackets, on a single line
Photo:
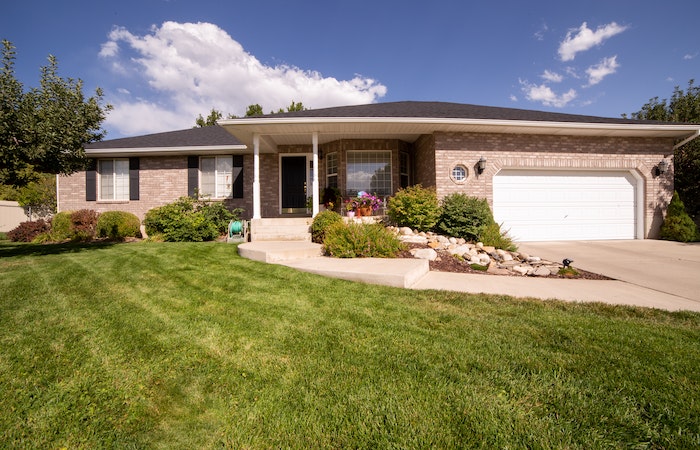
[(464, 216), (415, 207), (118, 225)]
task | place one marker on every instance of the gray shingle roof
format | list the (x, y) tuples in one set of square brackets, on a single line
[(444, 110), (192, 137)]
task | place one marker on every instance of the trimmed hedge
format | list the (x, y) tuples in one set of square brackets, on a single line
[(118, 225)]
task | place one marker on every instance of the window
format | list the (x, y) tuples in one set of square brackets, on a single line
[(332, 170), (221, 176), (459, 173), (114, 179), (404, 169), (369, 171)]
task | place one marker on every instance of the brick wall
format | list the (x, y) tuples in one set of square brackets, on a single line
[(640, 155), (162, 180)]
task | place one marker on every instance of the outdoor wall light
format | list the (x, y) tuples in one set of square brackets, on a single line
[(481, 165), (662, 167)]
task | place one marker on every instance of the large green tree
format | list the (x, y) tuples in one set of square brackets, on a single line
[(44, 129), (684, 106)]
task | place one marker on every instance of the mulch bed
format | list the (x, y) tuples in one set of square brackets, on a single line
[(446, 262)]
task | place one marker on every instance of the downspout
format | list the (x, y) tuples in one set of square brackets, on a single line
[(686, 140)]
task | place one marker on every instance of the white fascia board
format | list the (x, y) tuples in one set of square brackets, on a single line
[(165, 151), (676, 130)]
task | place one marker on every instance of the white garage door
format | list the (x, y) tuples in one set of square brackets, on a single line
[(565, 205)]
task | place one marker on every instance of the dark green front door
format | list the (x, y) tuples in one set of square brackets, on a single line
[(293, 184)]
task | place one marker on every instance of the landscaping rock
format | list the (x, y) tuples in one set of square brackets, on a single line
[(425, 253)]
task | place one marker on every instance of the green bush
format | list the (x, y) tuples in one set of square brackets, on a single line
[(464, 217), (361, 240), (218, 214), (414, 207), (321, 223), (117, 225), (188, 219), (61, 226), (83, 225), (492, 235), (678, 226)]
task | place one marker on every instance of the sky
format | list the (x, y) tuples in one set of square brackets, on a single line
[(161, 63)]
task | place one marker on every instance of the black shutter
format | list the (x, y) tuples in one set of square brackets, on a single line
[(238, 176), (133, 178), (91, 181), (192, 175)]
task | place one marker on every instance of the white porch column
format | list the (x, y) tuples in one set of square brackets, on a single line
[(314, 180), (256, 177)]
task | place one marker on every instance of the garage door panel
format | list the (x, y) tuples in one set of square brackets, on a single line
[(558, 205)]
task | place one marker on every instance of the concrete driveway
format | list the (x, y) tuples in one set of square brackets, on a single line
[(668, 268)]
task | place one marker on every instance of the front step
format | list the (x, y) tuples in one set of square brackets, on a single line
[(281, 229)]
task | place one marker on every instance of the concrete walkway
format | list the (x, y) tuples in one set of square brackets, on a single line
[(415, 274)]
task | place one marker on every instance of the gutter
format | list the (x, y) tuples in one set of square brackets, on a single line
[(688, 139)]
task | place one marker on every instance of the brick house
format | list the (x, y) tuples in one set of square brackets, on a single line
[(547, 176)]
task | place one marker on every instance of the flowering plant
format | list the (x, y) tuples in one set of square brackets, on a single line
[(365, 200)]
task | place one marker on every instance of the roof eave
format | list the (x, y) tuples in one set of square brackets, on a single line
[(165, 151)]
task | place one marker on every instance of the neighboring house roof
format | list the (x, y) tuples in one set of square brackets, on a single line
[(408, 120), (191, 141)]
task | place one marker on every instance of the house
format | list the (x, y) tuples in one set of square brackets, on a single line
[(547, 176)]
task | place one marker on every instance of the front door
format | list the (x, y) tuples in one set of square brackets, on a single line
[(293, 184)]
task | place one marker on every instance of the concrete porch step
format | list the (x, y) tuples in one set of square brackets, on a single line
[(279, 251), (281, 229)]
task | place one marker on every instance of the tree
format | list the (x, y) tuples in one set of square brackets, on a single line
[(254, 110), (44, 130), (211, 119), (683, 107)]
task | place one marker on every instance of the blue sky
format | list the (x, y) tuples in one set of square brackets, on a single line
[(163, 62)]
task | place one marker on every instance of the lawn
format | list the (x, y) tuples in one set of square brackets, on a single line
[(155, 345)]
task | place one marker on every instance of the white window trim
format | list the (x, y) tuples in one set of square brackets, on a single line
[(216, 175), (114, 198), (391, 167)]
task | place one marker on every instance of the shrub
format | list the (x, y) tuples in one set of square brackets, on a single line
[(464, 217), (414, 207), (321, 223), (678, 226), (492, 235), (117, 225), (218, 214), (187, 219), (361, 240), (83, 225), (61, 226), (27, 231)]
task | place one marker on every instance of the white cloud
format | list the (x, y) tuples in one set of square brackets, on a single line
[(546, 96), (190, 68), (585, 39), (606, 67), (552, 77)]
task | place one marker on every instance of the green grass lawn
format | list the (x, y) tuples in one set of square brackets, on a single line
[(153, 345)]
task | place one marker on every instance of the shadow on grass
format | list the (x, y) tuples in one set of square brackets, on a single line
[(9, 249)]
